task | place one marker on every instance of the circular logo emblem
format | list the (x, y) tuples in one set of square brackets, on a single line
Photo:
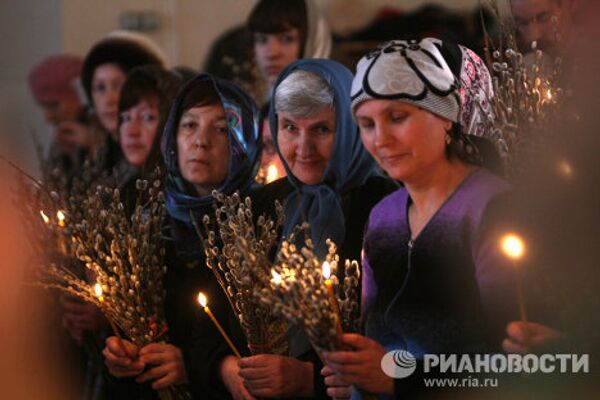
[(398, 364)]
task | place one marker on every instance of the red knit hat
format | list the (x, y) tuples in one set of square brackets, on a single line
[(54, 79)]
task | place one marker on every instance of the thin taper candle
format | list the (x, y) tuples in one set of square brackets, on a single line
[(332, 298), (203, 303), (98, 291), (514, 248)]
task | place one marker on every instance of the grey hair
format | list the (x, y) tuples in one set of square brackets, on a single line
[(303, 94)]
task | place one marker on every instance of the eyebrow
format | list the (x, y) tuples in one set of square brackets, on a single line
[(196, 118), (188, 114), (287, 120)]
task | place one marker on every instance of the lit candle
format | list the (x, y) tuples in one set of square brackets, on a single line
[(332, 298), (514, 248), (45, 217), (277, 280), (62, 244), (100, 296), (60, 216), (272, 173), (203, 302), (564, 168)]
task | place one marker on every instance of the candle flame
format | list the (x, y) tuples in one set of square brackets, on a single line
[(272, 173), (202, 299), (44, 217), (326, 270), (276, 277), (60, 215), (513, 246), (98, 290), (565, 168)]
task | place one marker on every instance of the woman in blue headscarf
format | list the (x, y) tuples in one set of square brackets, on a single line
[(332, 183), (210, 142)]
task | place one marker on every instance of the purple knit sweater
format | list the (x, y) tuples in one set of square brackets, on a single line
[(448, 291)]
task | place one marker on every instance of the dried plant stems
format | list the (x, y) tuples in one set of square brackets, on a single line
[(527, 95), (237, 251)]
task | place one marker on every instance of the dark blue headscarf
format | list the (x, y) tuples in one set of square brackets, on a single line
[(244, 150), (349, 167)]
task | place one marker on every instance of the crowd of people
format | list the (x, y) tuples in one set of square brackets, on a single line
[(390, 162)]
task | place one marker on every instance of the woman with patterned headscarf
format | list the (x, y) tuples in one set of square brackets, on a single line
[(434, 280)]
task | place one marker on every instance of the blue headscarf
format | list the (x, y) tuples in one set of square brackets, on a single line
[(349, 167), (244, 150)]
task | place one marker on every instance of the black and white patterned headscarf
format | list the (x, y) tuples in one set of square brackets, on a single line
[(413, 71)]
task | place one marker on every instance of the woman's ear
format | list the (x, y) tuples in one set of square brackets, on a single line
[(448, 125)]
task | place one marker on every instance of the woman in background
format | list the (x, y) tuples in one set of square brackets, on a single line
[(285, 32), (144, 104), (104, 70)]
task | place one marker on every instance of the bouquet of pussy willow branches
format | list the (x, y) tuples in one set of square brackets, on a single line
[(126, 256), (237, 252), (240, 259), (297, 289), (527, 94), (125, 253)]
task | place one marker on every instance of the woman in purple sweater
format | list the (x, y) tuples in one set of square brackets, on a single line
[(434, 280)]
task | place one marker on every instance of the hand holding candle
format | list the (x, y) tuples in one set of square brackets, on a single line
[(203, 302)]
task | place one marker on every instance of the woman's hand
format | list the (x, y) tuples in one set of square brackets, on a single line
[(267, 375), (361, 366), (80, 316), (166, 366), (230, 375), (529, 337), (119, 364), (337, 387)]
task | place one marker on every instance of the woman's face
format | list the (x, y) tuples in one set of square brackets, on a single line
[(306, 144), (275, 51), (106, 87), (203, 147), (138, 130), (407, 141)]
